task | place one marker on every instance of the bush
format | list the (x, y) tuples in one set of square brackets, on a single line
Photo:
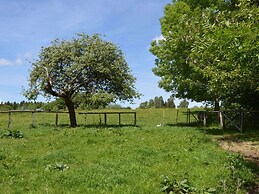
[(12, 134)]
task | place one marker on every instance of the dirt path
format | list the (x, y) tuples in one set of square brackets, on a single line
[(250, 151)]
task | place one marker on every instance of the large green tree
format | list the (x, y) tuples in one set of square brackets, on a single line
[(84, 65), (209, 51)]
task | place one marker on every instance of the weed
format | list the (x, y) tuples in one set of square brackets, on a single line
[(238, 176), (59, 166), (12, 134), (177, 187), (173, 186)]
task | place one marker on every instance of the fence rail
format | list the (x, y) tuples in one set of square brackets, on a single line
[(105, 114), (239, 119), (160, 117), (32, 115), (109, 113)]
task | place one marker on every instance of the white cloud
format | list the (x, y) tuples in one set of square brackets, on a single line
[(5, 62), (18, 61)]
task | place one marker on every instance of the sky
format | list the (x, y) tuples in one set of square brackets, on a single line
[(28, 25)]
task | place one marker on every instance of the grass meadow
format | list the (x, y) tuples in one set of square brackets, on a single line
[(147, 158)]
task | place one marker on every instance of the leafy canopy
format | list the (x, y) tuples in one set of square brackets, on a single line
[(209, 51), (85, 64)]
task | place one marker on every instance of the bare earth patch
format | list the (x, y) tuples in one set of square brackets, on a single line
[(250, 151)]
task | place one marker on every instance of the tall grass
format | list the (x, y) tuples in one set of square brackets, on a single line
[(112, 159)]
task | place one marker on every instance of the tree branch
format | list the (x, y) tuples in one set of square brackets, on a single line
[(48, 87)]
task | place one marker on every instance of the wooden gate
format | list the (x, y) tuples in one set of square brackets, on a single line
[(227, 118), (234, 118)]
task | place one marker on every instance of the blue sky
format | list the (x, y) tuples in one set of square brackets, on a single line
[(27, 25)]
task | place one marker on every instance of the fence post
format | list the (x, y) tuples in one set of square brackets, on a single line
[(204, 119), (119, 119), (187, 116), (176, 120), (221, 118), (188, 119), (105, 119), (135, 119), (163, 117), (56, 123), (9, 119), (85, 119), (33, 119), (241, 120)]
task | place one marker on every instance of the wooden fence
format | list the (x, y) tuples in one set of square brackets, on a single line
[(9, 113), (105, 114), (239, 119)]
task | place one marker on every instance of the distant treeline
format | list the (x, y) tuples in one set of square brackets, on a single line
[(159, 102), (23, 105), (55, 105), (58, 104)]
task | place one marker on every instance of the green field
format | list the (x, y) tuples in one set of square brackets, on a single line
[(112, 159), (145, 117)]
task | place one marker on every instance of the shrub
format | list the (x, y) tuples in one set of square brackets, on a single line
[(12, 134)]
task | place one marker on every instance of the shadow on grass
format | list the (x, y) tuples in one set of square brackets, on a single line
[(192, 124), (88, 126), (217, 131), (253, 187), (107, 126), (53, 125), (232, 134)]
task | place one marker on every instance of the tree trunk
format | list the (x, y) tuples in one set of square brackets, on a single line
[(221, 119), (220, 116), (217, 107), (71, 109)]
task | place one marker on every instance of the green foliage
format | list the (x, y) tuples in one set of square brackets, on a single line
[(170, 102), (209, 51), (177, 187), (237, 177), (5, 107), (96, 101), (116, 106), (183, 104), (55, 105), (233, 184), (57, 166), (85, 65), (203, 4), (158, 102), (12, 134)]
